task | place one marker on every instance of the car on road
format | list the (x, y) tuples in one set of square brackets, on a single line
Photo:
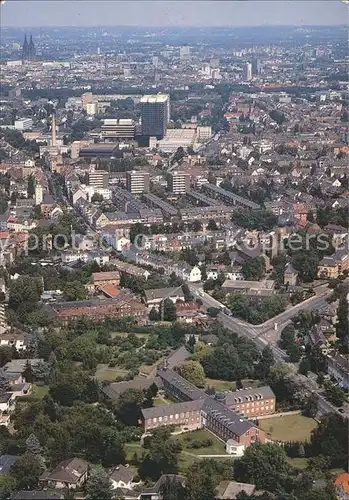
[(227, 311)]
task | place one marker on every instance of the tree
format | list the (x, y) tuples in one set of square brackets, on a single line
[(24, 295), (334, 394), (154, 314), (173, 489), (203, 478), (311, 406), (212, 225), (330, 438), (266, 361), (98, 486), (28, 373), (162, 455), (304, 366), (264, 465), (213, 311), (169, 310), (128, 407), (4, 382), (75, 290), (7, 486), (254, 269), (27, 471), (193, 372)]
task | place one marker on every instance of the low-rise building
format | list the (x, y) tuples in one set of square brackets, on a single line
[(338, 368), (70, 474), (123, 305)]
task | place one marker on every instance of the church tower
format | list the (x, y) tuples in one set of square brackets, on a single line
[(25, 49), (31, 49)]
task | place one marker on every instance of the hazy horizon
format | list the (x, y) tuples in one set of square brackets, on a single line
[(180, 13)]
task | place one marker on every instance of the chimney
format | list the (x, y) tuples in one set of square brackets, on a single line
[(54, 138)]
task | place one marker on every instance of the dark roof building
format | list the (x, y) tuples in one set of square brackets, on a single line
[(6, 462)]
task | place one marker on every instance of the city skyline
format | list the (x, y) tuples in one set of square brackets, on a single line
[(174, 14)]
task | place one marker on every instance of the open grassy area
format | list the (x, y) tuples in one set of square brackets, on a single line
[(223, 385), (125, 334), (298, 463), (288, 428), (39, 391), (217, 447), (161, 402), (103, 372)]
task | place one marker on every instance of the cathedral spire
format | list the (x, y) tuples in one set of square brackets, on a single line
[(25, 49)]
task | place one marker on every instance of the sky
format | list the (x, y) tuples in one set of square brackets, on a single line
[(30, 13)]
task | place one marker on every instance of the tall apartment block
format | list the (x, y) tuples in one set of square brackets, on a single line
[(137, 182), (178, 182), (155, 112), (98, 179)]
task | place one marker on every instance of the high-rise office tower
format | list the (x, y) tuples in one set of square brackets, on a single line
[(178, 182), (248, 72), (137, 182), (155, 112), (184, 52), (256, 66)]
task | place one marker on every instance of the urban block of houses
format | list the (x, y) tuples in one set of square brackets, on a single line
[(180, 269), (125, 304)]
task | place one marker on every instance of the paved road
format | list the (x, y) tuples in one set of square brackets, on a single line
[(265, 334)]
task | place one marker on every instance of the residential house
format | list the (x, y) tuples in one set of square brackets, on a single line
[(338, 368), (155, 492), (341, 486), (7, 404), (70, 474), (332, 266), (121, 477), (230, 490), (16, 340), (317, 338), (99, 280), (6, 462)]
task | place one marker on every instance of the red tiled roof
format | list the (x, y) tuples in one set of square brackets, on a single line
[(343, 481)]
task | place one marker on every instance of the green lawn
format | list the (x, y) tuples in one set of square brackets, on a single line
[(132, 448), (217, 447), (288, 428), (103, 372), (39, 391), (298, 463), (161, 402), (223, 385)]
